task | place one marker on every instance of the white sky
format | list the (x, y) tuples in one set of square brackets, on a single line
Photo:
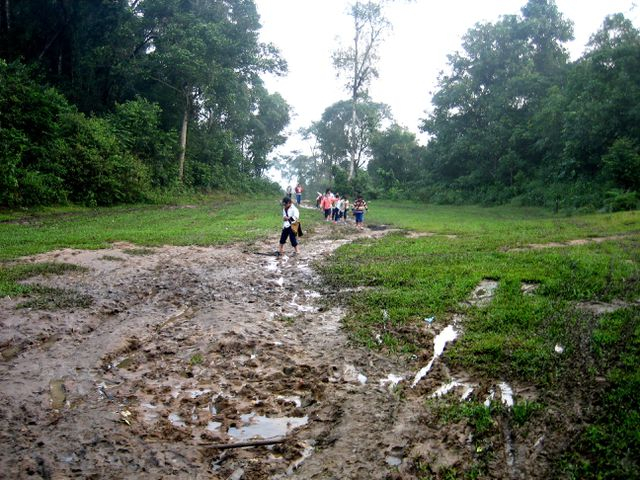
[(411, 57)]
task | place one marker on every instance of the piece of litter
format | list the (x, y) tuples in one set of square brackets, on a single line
[(391, 379), (429, 320), (559, 349), (125, 414), (506, 394)]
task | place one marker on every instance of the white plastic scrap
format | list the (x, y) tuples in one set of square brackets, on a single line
[(559, 349), (506, 394), (490, 397), (449, 334), (391, 379)]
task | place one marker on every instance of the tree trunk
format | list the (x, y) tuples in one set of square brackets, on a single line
[(6, 11), (352, 143), (354, 99), (183, 142)]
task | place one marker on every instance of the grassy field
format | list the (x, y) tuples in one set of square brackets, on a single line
[(412, 277), (514, 337), (217, 221)]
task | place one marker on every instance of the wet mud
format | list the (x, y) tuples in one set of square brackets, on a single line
[(186, 350)]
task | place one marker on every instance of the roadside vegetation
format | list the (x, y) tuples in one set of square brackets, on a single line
[(404, 279)]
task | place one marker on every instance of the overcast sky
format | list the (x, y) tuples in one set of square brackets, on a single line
[(411, 57)]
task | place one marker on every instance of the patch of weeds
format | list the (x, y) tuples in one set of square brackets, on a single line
[(113, 258), (42, 297), (426, 471), (288, 319), (140, 251), (196, 359), (476, 414), (482, 422), (523, 411), (45, 298)]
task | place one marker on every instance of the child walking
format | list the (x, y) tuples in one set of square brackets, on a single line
[(359, 208)]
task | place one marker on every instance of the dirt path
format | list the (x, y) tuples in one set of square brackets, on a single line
[(187, 347)]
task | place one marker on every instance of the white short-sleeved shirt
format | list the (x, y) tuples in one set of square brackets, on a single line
[(292, 211)]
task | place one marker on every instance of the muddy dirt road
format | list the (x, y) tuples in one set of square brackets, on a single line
[(185, 348)]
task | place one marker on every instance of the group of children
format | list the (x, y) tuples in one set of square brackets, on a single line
[(336, 208)]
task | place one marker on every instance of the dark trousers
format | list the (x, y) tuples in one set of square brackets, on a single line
[(287, 232)]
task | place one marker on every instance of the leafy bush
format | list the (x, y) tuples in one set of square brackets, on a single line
[(137, 127), (622, 164), (30, 171), (618, 201), (98, 171), (52, 154)]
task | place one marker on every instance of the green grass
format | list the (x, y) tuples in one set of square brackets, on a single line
[(37, 296), (415, 278), (609, 446), (513, 338), (217, 221), (214, 220)]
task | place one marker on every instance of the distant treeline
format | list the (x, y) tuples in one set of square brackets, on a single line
[(111, 102), (122, 101), (513, 120)]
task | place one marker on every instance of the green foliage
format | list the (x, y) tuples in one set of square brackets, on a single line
[(515, 122), (524, 410), (29, 131), (622, 164), (97, 170), (617, 201), (196, 359), (134, 74), (137, 127)]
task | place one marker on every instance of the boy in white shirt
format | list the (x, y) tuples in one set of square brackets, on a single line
[(290, 215)]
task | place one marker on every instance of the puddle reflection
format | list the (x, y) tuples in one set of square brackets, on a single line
[(264, 427)]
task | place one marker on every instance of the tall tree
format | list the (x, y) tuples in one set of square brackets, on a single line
[(483, 109), (207, 53), (357, 63), (603, 97), (396, 156), (335, 133)]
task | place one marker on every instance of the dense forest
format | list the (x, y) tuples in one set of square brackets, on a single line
[(513, 120), (128, 100), (111, 102)]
